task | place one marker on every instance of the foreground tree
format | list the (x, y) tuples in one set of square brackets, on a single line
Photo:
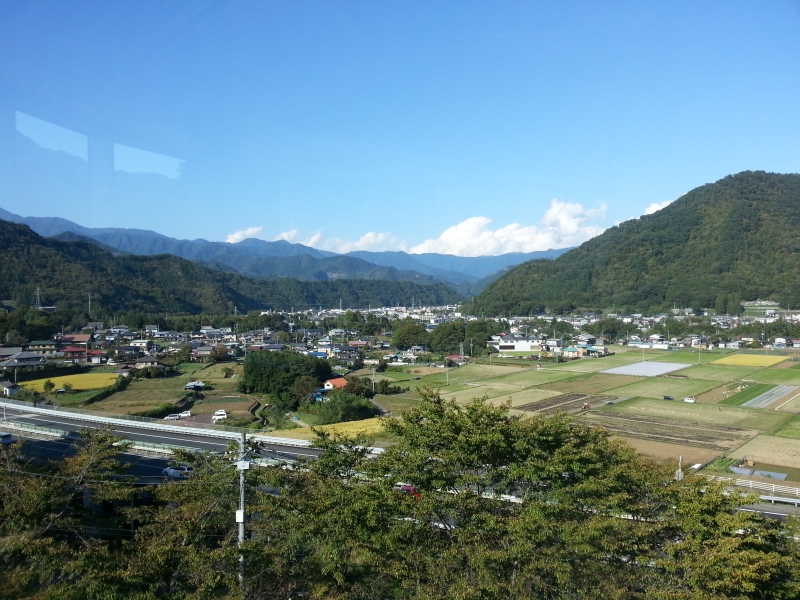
[(469, 503)]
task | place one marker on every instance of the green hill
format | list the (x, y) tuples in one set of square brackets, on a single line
[(736, 239), (66, 271)]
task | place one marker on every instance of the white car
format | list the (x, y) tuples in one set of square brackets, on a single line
[(181, 471), (185, 414), (221, 413), (174, 417), (689, 400)]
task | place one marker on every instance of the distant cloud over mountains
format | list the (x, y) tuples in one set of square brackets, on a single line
[(564, 224)]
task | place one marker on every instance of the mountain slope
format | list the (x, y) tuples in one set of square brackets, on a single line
[(736, 238), (67, 271), (260, 258)]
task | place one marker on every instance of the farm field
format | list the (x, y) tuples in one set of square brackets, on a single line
[(665, 452), (777, 376), (471, 373), (659, 429), (730, 416), (370, 427), (145, 394), (594, 384), (750, 360), (790, 429), (690, 357), (498, 397), (531, 377), (563, 403), (719, 372), (80, 381), (656, 387), (772, 450), (791, 404), (590, 365), (753, 391)]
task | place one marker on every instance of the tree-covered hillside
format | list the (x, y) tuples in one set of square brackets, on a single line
[(736, 239), (67, 271)]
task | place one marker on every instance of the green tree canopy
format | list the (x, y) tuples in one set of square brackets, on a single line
[(275, 372), (408, 333)]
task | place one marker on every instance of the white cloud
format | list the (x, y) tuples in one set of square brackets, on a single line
[(238, 236), (372, 240), (656, 206), (564, 224), (289, 236)]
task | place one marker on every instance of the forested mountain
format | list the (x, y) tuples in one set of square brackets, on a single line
[(736, 239), (66, 271), (261, 258)]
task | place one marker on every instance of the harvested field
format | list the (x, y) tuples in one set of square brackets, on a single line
[(772, 450), (700, 435), (593, 384), (563, 403), (731, 416), (664, 452), (750, 360)]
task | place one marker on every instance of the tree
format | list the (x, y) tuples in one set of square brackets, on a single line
[(67, 387), (48, 386), (341, 406), (593, 519), (447, 336), (275, 372), (408, 333)]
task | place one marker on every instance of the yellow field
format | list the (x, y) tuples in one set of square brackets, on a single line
[(85, 381), (749, 360), (351, 428)]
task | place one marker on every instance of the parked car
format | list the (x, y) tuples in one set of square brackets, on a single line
[(175, 417), (669, 398), (221, 413), (690, 400), (185, 414), (6, 439), (181, 471)]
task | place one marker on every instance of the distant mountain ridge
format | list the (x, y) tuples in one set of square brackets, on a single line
[(265, 259), (66, 271), (721, 243)]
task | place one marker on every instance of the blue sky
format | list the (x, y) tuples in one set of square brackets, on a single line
[(458, 127)]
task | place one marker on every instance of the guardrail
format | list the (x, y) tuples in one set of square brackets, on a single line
[(759, 485), (199, 429), (32, 428)]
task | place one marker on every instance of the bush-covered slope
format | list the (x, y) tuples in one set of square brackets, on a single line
[(737, 238), (66, 271)]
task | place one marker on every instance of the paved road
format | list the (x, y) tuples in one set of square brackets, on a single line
[(185, 440)]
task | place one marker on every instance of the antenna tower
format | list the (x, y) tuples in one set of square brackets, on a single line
[(38, 305)]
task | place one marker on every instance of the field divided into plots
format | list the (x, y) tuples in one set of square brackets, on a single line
[(700, 435)]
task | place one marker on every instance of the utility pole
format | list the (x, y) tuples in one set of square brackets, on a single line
[(242, 465), (90, 306)]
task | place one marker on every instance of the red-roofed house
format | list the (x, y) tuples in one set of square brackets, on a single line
[(337, 383)]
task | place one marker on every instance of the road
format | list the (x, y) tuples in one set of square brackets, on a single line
[(206, 442)]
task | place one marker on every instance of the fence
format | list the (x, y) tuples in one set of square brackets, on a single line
[(45, 431), (759, 485)]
